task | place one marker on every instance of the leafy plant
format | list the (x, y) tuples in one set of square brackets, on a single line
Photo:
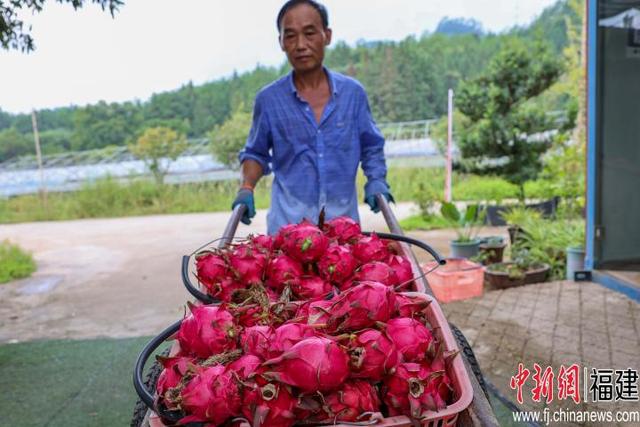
[(466, 224), (499, 140), (228, 139), (158, 147), (519, 215), (545, 242), (426, 197), (14, 262)]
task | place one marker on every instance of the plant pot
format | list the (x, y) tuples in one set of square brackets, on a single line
[(537, 274), (458, 279), (494, 252), (464, 249), (575, 261), (501, 279)]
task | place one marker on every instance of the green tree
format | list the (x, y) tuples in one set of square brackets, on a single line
[(158, 147), (228, 139), (102, 124), (14, 144), (14, 35), (508, 135)]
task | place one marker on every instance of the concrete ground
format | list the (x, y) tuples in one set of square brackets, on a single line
[(116, 277), (552, 324)]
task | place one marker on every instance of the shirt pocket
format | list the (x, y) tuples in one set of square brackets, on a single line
[(292, 141), (342, 134)]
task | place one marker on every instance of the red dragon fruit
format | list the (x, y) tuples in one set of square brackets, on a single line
[(361, 307), (287, 335), (372, 355), (207, 330), (313, 364), (337, 264), (410, 306), (416, 388), (174, 369), (314, 312), (311, 288), (256, 340), (248, 264), (262, 242), (350, 402), (251, 315), (269, 405), (343, 229), (283, 271), (281, 236), (225, 290), (211, 396), (411, 337), (211, 269), (371, 248), (402, 268), (378, 272), (305, 242), (245, 366)]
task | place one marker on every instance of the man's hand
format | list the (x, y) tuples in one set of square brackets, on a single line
[(245, 197), (373, 202)]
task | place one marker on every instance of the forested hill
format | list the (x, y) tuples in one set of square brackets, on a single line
[(406, 80)]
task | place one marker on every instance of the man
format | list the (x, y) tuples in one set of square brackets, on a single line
[(312, 128)]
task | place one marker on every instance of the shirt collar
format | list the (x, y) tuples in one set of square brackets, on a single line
[(330, 76)]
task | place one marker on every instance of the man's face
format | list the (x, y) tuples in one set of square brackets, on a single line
[(303, 37)]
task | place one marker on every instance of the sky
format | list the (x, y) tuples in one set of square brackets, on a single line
[(152, 46)]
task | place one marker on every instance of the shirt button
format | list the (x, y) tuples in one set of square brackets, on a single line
[(321, 155), (307, 108)]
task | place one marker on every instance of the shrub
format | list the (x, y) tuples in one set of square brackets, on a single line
[(14, 262)]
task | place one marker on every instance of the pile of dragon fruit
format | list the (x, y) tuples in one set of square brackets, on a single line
[(312, 327)]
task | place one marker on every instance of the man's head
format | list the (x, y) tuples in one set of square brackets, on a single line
[(304, 31)]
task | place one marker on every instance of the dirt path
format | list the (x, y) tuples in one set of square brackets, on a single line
[(112, 277)]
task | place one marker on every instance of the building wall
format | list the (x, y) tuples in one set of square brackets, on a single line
[(619, 154)]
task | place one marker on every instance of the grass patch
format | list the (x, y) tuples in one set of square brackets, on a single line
[(14, 262), (420, 222), (69, 383), (109, 197)]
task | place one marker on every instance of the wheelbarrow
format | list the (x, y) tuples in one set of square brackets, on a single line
[(471, 407)]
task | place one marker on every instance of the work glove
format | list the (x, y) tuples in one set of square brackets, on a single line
[(245, 197), (373, 203)]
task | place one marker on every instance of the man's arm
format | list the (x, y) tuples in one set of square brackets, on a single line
[(251, 173), (372, 156), (255, 159)]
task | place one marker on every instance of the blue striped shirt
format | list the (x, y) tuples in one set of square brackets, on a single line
[(315, 164)]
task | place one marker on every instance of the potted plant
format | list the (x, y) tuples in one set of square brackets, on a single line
[(466, 225), (520, 271), (517, 218), (492, 249)]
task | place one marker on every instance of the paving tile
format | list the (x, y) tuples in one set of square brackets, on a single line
[(569, 332), (566, 345), (596, 360), (565, 358), (549, 324), (622, 360)]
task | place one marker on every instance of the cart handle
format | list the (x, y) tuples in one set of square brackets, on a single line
[(389, 217), (410, 240), (232, 225)]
